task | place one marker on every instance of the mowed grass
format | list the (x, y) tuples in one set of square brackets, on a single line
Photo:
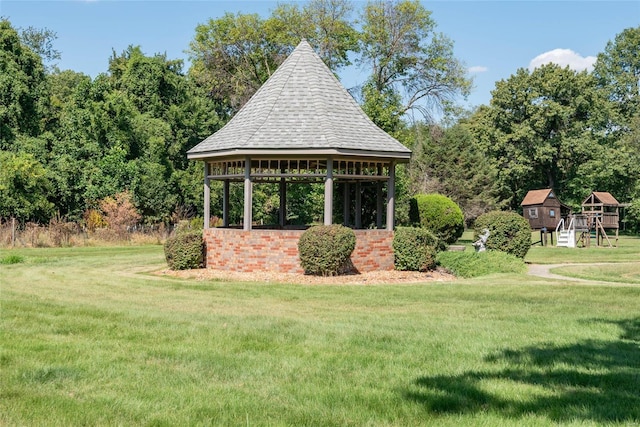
[(618, 272), (627, 250), (89, 337)]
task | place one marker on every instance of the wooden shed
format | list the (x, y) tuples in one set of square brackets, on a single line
[(543, 209)]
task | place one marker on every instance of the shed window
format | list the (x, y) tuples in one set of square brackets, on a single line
[(533, 212), (552, 213)]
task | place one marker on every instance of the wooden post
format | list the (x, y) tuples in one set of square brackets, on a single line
[(391, 195), (328, 194), (207, 196), (248, 195)]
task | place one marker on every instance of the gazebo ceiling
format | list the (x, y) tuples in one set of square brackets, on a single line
[(301, 110)]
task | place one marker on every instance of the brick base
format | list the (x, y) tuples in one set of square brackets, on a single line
[(277, 250)]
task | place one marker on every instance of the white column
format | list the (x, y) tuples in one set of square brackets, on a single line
[(207, 196), (328, 194), (225, 203), (391, 195), (248, 195)]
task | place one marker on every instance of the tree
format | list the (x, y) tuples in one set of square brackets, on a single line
[(323, 23), (618, 70), (152, 83), (542, 128), (384, 108), (119, 212), (23, 88), (40, 41), (406, 55), (23, 188), (450, 162), (234, 55)]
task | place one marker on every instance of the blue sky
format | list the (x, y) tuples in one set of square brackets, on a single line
[(493, 38)]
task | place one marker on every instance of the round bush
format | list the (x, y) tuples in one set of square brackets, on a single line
[(509, 232), (414, 249), (439, 214), (325, 249), (184, 251)]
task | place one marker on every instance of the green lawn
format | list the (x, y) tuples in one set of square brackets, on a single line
[(90, 338), (628, 250), (618, 272)]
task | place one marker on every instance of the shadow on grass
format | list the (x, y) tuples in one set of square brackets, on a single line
[(592, 380)]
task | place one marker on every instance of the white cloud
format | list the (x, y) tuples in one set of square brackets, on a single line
[(478, 69), (564, 57)]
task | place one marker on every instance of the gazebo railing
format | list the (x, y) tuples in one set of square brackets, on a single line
[(292, 169)]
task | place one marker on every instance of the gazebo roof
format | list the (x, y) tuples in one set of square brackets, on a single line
[(302, 109)]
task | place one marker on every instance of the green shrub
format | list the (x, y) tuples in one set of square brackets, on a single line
[(184, 251), (414, 249), (469, 264), (509, 232), (11, 259), (325, 249), (439, 214)]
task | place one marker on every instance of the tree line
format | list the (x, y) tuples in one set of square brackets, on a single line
[(69, 141)]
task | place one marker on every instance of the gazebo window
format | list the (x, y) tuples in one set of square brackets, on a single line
[(360, 169)]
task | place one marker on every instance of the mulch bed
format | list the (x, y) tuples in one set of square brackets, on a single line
[(369, 278)]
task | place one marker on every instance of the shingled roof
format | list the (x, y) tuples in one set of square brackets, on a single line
[(536, 197), (603, 197), (301, 109)]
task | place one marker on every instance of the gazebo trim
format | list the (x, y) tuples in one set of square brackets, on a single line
[(400, 157)]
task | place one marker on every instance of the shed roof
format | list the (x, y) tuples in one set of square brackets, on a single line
[(605, 198), (537, 197), (302, 108)]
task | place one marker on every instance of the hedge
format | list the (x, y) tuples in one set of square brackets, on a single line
[(414, 249), (185, 250), (325, 250), (509, 232), (439, 214)]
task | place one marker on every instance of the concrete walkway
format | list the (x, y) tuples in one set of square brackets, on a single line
[(544, 270)]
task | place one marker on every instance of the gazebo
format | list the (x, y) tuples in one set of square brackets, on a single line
[(301, 126)]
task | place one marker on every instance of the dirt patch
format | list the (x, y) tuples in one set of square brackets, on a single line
[(370, 278)]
